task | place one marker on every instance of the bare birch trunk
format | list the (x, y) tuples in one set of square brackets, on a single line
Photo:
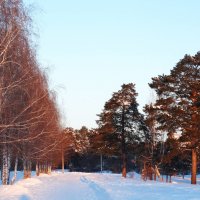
[(15, 171), (5, 165)]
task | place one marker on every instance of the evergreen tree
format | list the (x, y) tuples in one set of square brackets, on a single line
[(121, 126), (179, 104)]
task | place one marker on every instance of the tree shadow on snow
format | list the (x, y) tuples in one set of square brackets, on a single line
[(24, 197), (100, 192)]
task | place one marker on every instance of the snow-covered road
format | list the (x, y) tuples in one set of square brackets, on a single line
[(83, 186)]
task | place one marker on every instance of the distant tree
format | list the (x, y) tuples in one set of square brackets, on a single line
[(121, 126), (179, 104), (76, 142)]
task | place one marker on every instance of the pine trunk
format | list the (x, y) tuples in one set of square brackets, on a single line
[(194, 167), (123, 146), (124, 165)]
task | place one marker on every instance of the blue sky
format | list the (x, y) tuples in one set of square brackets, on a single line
[(92, 47)]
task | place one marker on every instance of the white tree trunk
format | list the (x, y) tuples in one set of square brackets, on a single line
[(5, 165), (15, 171)]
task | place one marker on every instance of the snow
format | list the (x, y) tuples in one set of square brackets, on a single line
[(97, 186)]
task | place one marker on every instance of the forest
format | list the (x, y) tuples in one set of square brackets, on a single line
[(164, 139)]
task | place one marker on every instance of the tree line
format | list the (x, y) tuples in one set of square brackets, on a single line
[(30, 130), (166, 135)]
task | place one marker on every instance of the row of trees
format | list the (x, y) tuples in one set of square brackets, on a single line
[(166, 135), (29, 121), (30, 132)]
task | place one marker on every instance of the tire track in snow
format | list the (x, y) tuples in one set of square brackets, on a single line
[(100, 192)]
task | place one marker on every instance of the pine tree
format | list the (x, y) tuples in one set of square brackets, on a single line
[(179, 104), (121, 126)]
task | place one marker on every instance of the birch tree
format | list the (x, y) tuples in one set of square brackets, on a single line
[(29, 121)]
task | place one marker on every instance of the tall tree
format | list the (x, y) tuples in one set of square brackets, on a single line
[(120, 124), (179, 104)]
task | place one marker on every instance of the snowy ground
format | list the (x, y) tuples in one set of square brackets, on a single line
[(85, 186)]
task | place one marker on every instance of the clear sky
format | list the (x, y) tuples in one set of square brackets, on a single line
[(92, 47)]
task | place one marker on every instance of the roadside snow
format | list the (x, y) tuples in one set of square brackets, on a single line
[(88, 186)]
